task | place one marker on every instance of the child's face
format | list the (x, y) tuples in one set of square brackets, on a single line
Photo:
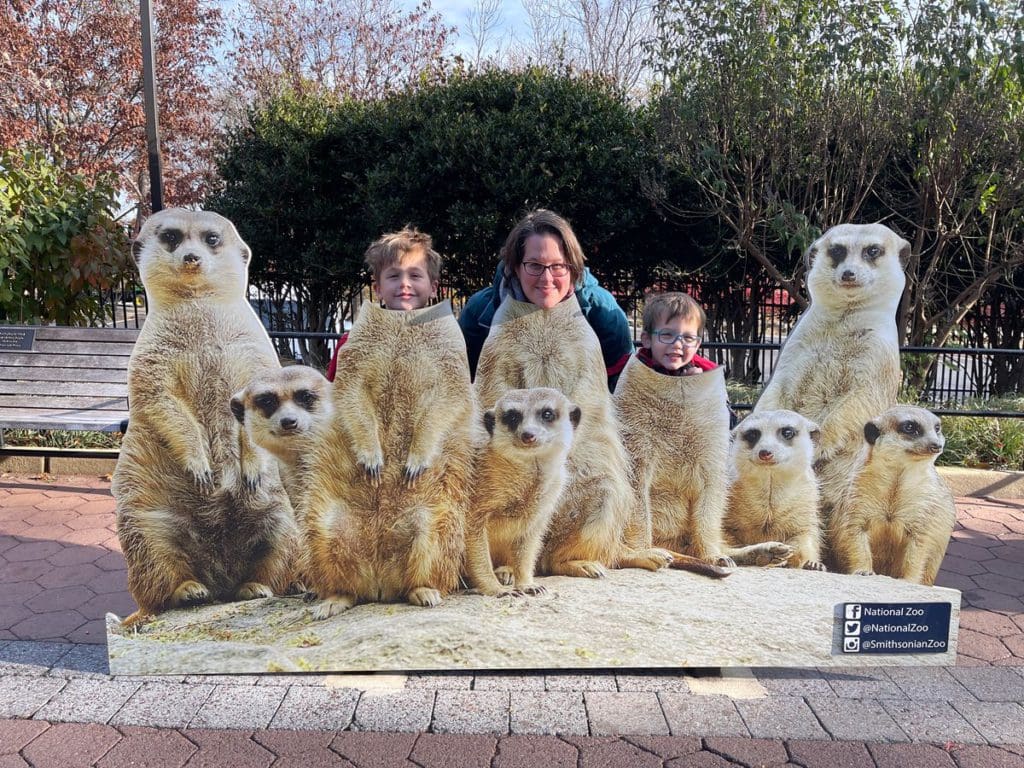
[(667, 348), (406, 284)]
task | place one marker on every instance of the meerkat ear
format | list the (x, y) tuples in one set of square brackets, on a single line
[(810, 255), (489, 422), (136, 249), (904, 253), (575, 415), (871, 432), (238, 406), (246, 252)]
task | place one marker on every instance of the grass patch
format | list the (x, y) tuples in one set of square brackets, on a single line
[(57, 438)]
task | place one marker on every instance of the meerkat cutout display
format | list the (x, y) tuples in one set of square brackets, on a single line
[(532, 347), (679, 482), (840, 366), (390, 482), (897, 515), (282, 412), (773, 492), (520, 474), (201, 513)]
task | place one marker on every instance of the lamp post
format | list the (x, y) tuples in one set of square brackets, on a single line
[(156, 184)]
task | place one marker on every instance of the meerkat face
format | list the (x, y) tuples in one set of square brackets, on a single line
[(185, 254), (533, 420), (772, 438), (914, 432), (281, 406), (857, 263)]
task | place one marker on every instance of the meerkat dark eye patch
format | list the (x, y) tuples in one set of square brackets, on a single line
[(787, 433), (266, 402), (837, 253), (171, 237), (212, 239), (512, 419), (547, 414), (910, 428), (871, 253), (751, 436), (305, 398)]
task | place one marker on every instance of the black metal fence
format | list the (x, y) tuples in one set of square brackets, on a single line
[(957, 375)]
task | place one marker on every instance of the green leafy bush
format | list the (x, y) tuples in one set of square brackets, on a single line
[(58, 240)]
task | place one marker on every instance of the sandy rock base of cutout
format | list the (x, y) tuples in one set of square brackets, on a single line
[(632, 618)]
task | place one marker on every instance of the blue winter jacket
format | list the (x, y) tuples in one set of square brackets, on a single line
[(598, 305)]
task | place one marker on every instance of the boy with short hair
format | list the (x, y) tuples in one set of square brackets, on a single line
[(406, 270), (673, 324)]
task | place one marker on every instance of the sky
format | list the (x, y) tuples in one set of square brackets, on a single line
[(455, 13)]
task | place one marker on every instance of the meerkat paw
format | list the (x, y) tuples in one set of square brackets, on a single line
[(425, 597), (863, 572), (648, 559), (372, 469), (723, 561), (533, 590), (252, 477), (332, 606), (586, 569), (504, 575), (202, 476), (189, 593), (814, 565), (772, 554), (137, 619), (251, 590), (296, 588), (411, 474)]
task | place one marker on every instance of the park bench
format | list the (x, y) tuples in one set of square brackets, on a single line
[(64, 378)]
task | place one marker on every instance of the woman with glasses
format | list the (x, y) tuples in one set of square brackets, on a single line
[(542, 263)]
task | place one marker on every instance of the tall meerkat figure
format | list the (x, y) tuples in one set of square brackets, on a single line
[(773, 494), (840, 366), (200, 513), (533, 347), (390, 481), (897, 515), (519, 479), (283, 411)]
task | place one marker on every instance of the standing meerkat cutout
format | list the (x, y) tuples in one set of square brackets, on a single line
[(841, 366), (390, 480), (532, 347), (897, 514), (676, 431), (773, 496), (519, 479), (200, 513), (282, 411)]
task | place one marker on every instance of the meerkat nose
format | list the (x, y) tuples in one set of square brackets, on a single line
[(935, 447), (529, 438), (848, 276), (765, 455), (289, 423), (190, 258)]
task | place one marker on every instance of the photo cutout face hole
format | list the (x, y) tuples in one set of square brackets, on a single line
[(551, 286), (406, 283), (674, 342)]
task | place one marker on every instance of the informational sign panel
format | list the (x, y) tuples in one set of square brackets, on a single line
[(896, 627), (16, 339)]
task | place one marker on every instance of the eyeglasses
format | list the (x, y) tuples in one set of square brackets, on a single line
[(667, 337), (537, 269)]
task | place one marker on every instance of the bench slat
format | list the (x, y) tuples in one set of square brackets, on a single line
[(34, 360), (39, 373), (65, 403), (119, 349), (100, 421), (63, 388), (62, 333)]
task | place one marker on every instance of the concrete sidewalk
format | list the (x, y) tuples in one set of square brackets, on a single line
[(61, 570)]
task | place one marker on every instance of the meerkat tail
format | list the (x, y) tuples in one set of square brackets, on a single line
[(687, 563)]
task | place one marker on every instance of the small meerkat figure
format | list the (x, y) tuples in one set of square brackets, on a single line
[(519, 478), (771, 516), (897, 515), (283, 411)]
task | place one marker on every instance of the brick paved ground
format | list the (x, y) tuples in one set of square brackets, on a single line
[(61, 570)]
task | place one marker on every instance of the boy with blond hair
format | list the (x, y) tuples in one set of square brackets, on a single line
[(673, 324), (406, 270)]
